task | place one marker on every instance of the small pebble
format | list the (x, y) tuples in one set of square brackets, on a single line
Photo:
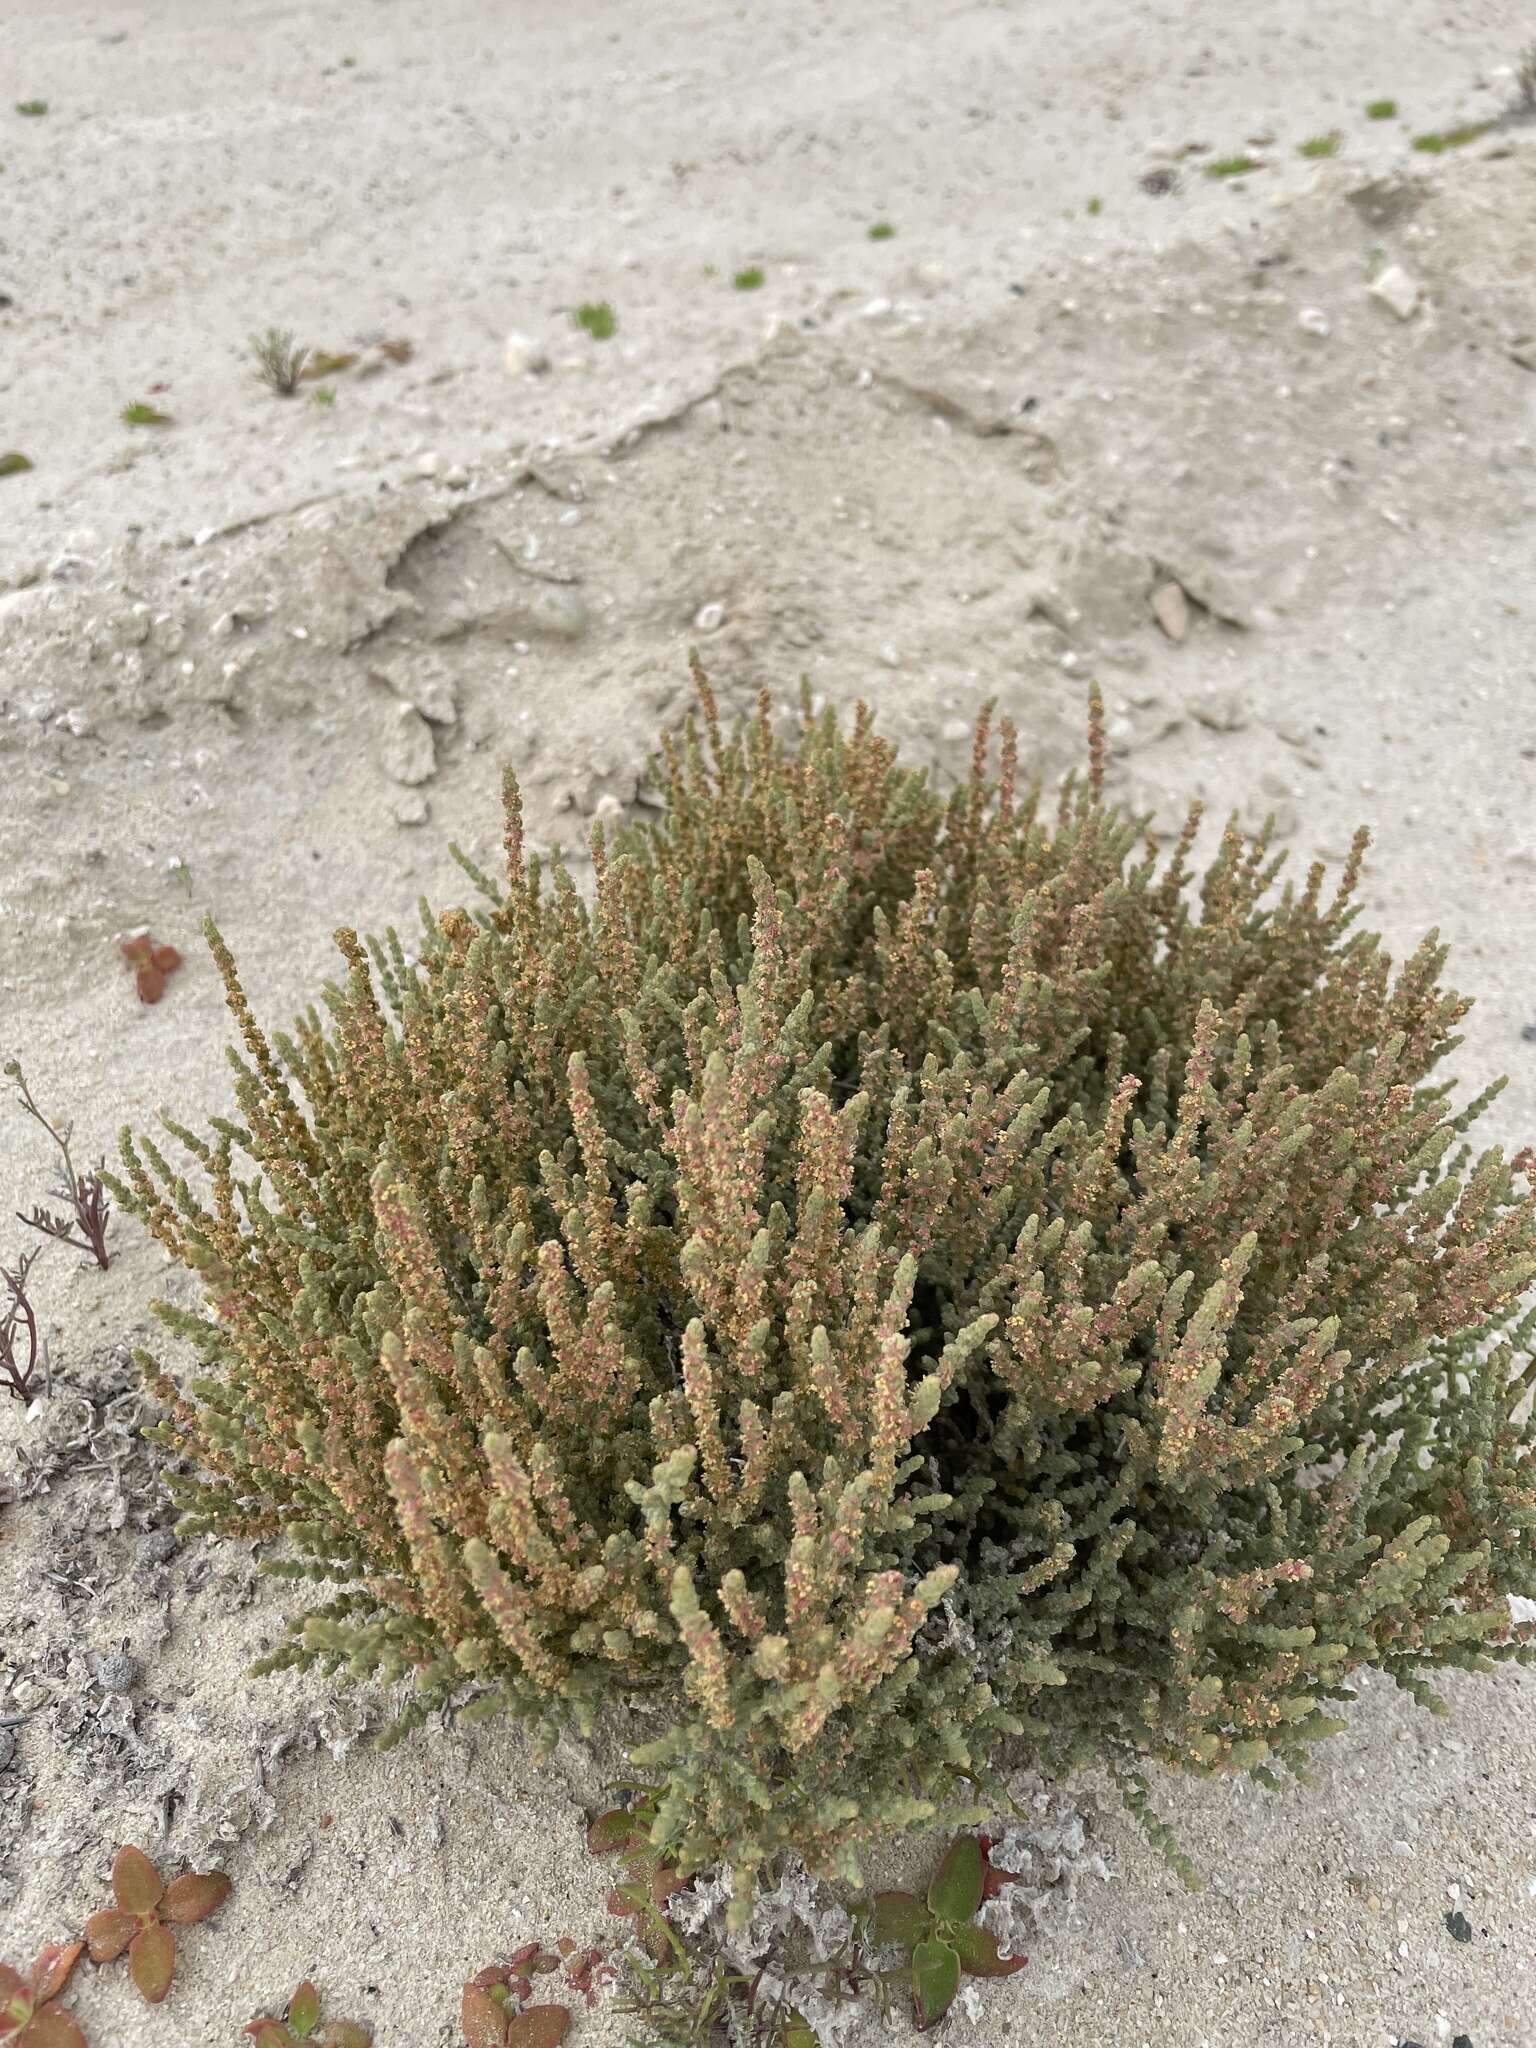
[(709, 617), (523, 356), (1458, 1926), (7, 1748), (1313, 320), (1396, 290), (118, 1671), (158, 1547)]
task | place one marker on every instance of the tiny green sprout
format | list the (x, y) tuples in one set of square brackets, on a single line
[(13, 462), (1095, 207), (881, 231), (1322, 145), (141, 1921), (139, 414), (1232, 166), (33, 109), (750, 279), (1436, 142), (1381, 110), (324, 394), (302, 2022), (597, 318), (711, 270), (30, 2016), (347, 63), (940, 1933), (324, 362)]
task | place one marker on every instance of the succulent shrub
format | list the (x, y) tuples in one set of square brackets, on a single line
[(889, 1276)]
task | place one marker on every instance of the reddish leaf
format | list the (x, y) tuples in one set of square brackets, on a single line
[(993, 1879), (193, 1897), (53, 2027), (541, 2026), (935, 1980), (303, 2007), (977, 1950), (269, 2034), (955, 1892), (50, 1973), (108, 1933), (542, 1963), (664, 1882), (611, 1831), (152, 1961), (136, 948), (343, 2034), (484, 2022), (521, 1988), (166, 958), (900, 1919), (149, 982), (520, 1958), (136, 1884), (497, 1973), (622, 1903)]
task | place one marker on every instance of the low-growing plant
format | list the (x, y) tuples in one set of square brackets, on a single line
[(82, 1221), (33, 109), (145, 1912), (279, 360), (940, 1932), (892, 1281), (881, 231), (30, 2014), (749, 280), (1381, 110), (151, 962), (1232, 166), (302, 2021), (494, 2012), (1321, 145), (141, 414), (324, 395), (1438, 141), (326, 363), (597, 318), (14, 463)]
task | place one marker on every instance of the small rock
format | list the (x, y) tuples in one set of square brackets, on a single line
[(7, 1748), (1396, 290), (1458, 1926), (429, 464), (524, 356), (118, 1671), (77, 723), (1221, 711), (1528, 1034), (410, 809), (158, 1547), (1313, 320), (1462, 2041), (457, 478), (424, 689), (1170, 608), (709, 618), (954, 729), (409, 753)]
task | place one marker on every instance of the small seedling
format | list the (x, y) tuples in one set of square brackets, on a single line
[(147, 1909), (280, 360), (21, 1349), (1437, 142), (1095, 207), (881, 231), (301, 2021), (1232, 166), (597, 318), (940, 1933), (138, 414), (30, 2015), (326, 363), (398, 351), (33, 109), (494, 2012), (748, 280), (1322, 145), (86, 1208), (324, 394), (1381, 110), (151, 963), (13, 462)]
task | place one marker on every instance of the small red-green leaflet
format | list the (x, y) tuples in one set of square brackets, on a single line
[(53, 2027), (955, 1892), (484, 2021), (977, 1950), (50, 1973), (270, 2034), (611, 1831), (898, 1917), (136, 1884), (193, 1897), (304, 2010), (540, 2026), (108, 1933), (152, 1961), (935, 1980)]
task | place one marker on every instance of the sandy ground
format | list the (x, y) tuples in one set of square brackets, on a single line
[(268, 659)]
